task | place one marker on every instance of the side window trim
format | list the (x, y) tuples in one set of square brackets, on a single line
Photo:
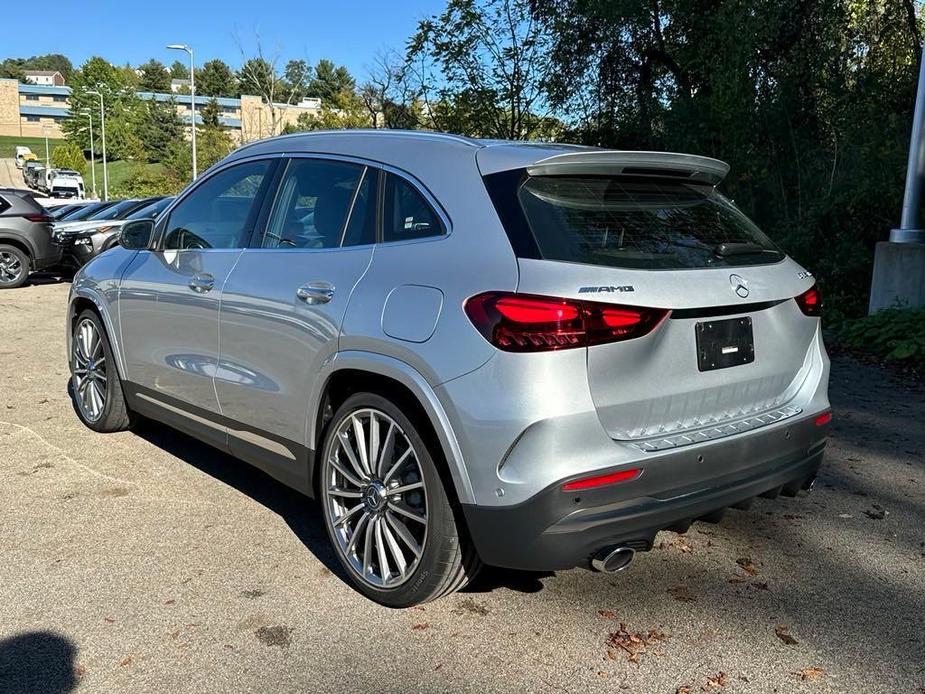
[(353, 203), (164, 223), (269, 204), (426, 196)]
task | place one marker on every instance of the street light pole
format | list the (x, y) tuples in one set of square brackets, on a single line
[(89, 114), (47, 158), (99, 92), (192, 91)]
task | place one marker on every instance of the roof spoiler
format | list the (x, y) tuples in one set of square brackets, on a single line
[(688, 167)]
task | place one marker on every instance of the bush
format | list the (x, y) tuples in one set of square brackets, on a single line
[(145, 181), (69, 156), (894, 334)]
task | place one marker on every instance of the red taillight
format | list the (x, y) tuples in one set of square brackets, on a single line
[(528, 323), (823, 419), (810, 301), (601, 480), (38, 217)]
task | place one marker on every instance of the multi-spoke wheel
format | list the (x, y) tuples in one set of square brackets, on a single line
[(14, 267), (95, 383), (386, 511)]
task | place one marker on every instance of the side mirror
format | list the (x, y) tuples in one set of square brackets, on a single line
[(137, 235)]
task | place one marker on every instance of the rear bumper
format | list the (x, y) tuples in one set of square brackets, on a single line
[(556, 530)]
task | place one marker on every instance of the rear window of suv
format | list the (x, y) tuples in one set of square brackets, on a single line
[(628, 222)]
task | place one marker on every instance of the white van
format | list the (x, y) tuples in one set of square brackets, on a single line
[(65, 183)]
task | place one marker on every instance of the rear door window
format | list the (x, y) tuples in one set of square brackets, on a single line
[(631, 222), (406, 214)]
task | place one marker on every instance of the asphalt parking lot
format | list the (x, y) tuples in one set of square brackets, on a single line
[(146, 562)]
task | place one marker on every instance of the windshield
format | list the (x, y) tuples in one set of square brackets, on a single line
[(151, 211), (83, 212), (117, 211), (641, 223)]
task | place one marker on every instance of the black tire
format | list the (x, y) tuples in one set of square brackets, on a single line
[(114, 414), (447, 561), (15, 266)]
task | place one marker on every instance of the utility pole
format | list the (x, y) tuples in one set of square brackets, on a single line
[(192, 93)]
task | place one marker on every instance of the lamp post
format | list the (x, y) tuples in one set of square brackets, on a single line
[(89, 114), (192, 93), (99, 92), (45, 133)]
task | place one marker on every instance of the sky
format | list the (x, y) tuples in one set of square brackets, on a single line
[(349, 32)]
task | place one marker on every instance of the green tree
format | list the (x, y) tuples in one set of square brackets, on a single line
[(215, 78), (159, 128), (154, 77), (69, 156), (179, 71), (482, 67), (211, 114), (330, 81), (346, 110), (120, 103)]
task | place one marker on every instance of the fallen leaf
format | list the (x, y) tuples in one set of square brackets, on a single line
[(683, 690), (607, 614), (717, 681), (420, 627), (759, 585), (109, 620), (632, 643), (783, 633), (878, 514), (810, 673), (747, 566), (127, 660)]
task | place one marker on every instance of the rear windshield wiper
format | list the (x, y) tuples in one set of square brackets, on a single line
[(726, 249)]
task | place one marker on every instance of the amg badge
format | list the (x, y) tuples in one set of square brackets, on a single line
[(596, 290)]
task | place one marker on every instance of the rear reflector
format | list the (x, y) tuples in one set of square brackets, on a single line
[(810, 301), (601, 480), (530, 323), (823, 419)]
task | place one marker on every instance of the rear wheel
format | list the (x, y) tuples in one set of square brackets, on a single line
[(97, 389), (386, 510), (15, 267)]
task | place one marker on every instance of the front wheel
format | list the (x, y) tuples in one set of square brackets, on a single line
[(97, 389), (386, 510)]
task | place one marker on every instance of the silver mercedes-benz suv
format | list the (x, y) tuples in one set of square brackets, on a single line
[(529, 355)]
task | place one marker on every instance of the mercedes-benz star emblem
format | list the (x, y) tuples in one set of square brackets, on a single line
[(739, 285)]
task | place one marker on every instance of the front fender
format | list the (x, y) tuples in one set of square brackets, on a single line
[(419, 387), (97, 296)]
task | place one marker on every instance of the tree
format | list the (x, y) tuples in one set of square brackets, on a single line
[(69, 156), (159, 128), (179, 71), (330, 81), (389, 97), (297, 76), (121, 104), (482, 67), (810, 102), (211, 114), (154, 77), (260, 76), (343, 111), (215, 78), (15, 67)]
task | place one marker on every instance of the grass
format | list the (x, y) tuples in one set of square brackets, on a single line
[(8, 144)]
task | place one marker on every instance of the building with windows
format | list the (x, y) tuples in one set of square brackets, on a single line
[(45, 78), (34, 110)]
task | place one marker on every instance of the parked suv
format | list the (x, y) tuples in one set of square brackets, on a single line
[(25, 237), (530, 355)]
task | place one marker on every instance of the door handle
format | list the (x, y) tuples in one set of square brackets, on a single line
[(316, 292), (202, 283)]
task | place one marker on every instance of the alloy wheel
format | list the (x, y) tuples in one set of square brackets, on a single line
[(11, 268), (89, 370), (375, 498)]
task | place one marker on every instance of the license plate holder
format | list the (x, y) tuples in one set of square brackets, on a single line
[(724, 343)]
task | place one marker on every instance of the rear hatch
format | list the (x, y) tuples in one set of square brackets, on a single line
[(722, 347)]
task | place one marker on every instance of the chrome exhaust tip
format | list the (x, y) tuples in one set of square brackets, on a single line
[(613, 559)]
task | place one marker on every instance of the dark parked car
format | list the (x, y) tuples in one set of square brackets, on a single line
[(85, 211), (30, 173), (60, 211), (25, 237), (81, 246)]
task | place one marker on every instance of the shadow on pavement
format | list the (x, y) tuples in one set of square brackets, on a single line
[(37, 662)]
